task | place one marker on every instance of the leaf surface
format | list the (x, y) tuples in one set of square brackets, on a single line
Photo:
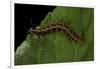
[(56, 47)]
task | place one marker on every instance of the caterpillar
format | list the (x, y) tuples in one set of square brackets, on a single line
[(53, 27)]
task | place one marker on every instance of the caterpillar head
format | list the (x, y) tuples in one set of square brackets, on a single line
[(30, 30)]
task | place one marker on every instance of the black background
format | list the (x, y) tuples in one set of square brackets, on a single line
[(23, 15)]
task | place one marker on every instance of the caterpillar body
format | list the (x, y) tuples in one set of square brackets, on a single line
[(54, 27)]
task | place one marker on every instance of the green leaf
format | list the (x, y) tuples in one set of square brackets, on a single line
[(56, 47)]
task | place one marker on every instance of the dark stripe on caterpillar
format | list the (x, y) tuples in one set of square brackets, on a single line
[(58, 27)]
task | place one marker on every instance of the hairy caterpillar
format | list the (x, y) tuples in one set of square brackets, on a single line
[(53, 27)]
